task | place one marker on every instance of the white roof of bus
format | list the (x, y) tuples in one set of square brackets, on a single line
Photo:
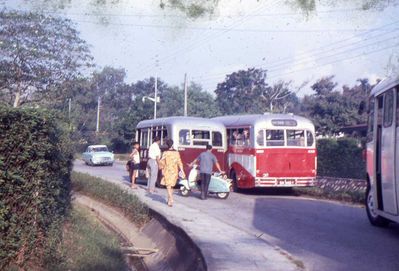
[(187, 122), (260, 120), (385, 84)]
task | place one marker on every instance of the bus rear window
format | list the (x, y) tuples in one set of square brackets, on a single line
[(200, 137), (296, 138), (184, 137), (260, 138), (274, 137), (309, 138), (217, 139)]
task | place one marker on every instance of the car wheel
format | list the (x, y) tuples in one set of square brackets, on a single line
[(223, 195), (374, 218)]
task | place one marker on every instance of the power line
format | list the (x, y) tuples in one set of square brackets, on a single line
[(323, 49), (204, 40), (256, 30), (143, 15), (336, 61)]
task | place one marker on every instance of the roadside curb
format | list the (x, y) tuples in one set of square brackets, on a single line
[(223, 246), (176, 250)]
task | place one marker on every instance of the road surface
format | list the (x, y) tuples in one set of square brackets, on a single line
[(324, 235)]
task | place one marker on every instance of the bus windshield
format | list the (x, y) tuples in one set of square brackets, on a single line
[(284, 137)]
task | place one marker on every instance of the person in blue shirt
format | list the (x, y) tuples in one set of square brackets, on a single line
[(206, 160)]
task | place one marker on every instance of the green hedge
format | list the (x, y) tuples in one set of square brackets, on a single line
[(112, 195), (35, 166), (340, 158)]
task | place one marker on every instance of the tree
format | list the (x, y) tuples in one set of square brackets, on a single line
[(37, 55), (248, 92), (200, 103), (243, 92), (332, 110)]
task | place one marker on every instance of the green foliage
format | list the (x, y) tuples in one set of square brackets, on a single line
[(248, 92), (37, 55), (330, 110), (111, 195), (35, 165), (87, 245), (340, 158)]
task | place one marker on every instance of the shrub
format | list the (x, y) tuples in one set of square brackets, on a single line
[(35, 166), (112, 195), (340, 158)]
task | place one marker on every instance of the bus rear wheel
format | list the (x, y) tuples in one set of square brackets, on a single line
[(374, 218)]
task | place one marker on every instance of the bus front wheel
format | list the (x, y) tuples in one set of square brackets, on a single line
[(374, 218)]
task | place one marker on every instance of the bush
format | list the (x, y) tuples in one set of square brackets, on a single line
[(112, 195), (35, 166), (340, 158)]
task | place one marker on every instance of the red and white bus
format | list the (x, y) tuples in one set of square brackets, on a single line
[(382, 195), (270, 150), (189, 134)]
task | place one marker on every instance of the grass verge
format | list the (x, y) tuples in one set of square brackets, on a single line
[(111, 195), (356, 197), (88, 245)]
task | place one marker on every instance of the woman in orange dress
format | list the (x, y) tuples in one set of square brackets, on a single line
[(171, 164)]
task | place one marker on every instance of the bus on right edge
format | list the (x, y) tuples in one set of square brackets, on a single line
[(382, 195)]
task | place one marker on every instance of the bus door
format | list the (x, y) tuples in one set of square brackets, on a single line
[(395, 162), (385, 153)]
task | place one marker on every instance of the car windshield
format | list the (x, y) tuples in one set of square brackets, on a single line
[(99, 149)]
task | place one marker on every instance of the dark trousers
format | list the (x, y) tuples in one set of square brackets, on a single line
[(205, 180)]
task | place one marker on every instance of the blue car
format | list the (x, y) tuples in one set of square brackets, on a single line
[(98, 155)]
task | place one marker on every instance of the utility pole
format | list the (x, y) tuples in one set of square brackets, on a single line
[(185, 94), (156, 96), (98, 114), (69, 113), (69, 109)]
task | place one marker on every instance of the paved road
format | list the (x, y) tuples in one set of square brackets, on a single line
[(323, 235)]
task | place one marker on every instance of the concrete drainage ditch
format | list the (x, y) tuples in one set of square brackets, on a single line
[(158, 246)]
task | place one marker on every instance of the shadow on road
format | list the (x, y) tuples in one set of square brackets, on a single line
[(281, 191)]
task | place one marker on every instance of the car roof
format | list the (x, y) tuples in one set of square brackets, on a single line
[(97, 146)]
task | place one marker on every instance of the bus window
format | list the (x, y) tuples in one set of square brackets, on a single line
[(200, 137), (164, 136), (296, 138), (184, 137), (260, 138), (309, 138), (397, 106), (388, 108), (144, 138), (370, 121), (235, 137), (274, 137), (217, 139), (246, 138)]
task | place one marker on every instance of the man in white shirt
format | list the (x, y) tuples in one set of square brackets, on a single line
[(154, 154)]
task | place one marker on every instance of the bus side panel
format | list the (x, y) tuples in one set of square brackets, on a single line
[(243, 162), (188, 155), (286, 163)]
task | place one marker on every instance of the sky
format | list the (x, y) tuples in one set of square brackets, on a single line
[(146, 40)]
